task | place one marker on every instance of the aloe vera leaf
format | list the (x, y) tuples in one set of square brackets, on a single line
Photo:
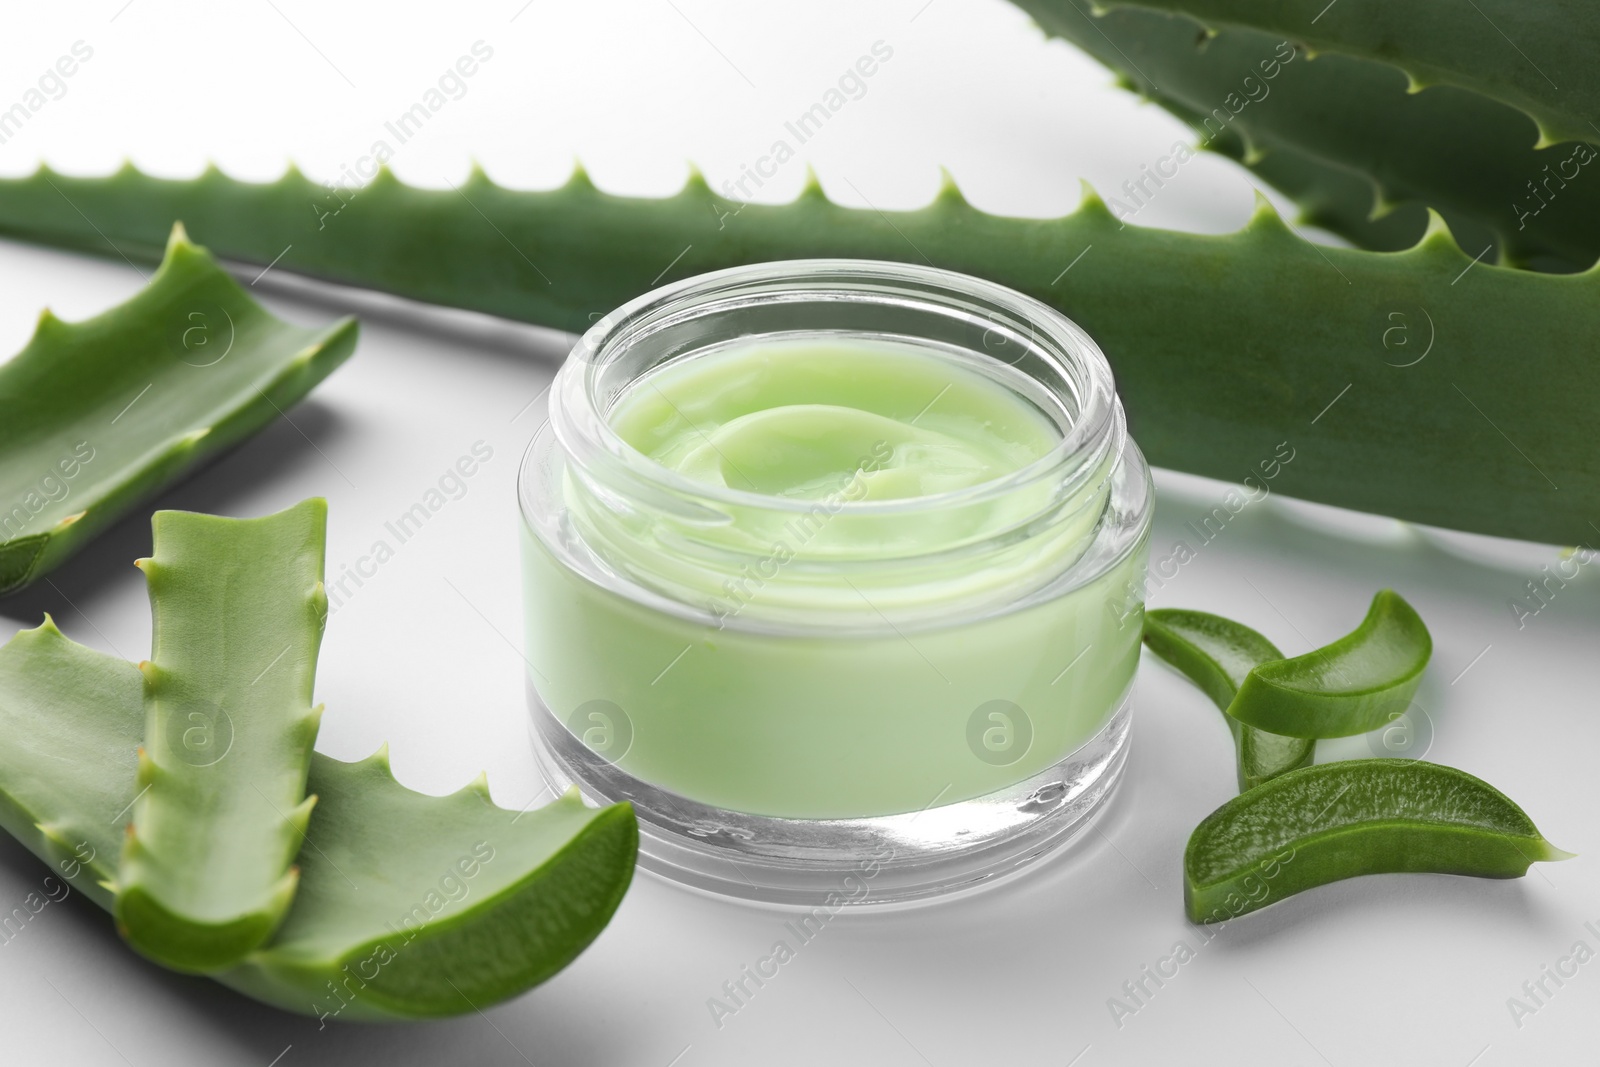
[(1537, 58), (72, 719), (1329, 195), (1341, 820), (237, 607), (1356, 684), (96, 416), (1338, 200), (1346, 203), (1217, 654), (352, 946), (1465, 155), (390, 918), (1223, 346)]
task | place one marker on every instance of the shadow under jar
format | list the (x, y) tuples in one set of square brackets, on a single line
[(835, 569)]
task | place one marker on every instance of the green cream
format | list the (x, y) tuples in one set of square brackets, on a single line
[(796, 419), (837, 636)]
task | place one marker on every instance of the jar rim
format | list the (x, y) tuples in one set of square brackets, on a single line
[(585, 433)]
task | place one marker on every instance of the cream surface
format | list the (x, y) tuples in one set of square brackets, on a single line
[(805, 418)]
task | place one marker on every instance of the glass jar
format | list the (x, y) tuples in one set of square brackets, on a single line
[(796, 692)]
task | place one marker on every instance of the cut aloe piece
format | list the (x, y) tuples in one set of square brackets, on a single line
[(1358, 683), (237, 608), (412, 905), (98, 415), (1217, 654), (409, 905), (72, 720), (1340, 820)]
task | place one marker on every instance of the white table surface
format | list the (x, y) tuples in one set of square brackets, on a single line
[(1414, 970)]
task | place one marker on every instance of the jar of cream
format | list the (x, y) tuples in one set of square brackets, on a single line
[(835, 569)]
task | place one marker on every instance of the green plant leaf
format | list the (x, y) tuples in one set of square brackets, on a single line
[(99, 415), (398, 914), (1217, 654), (1537, 58), (1340, 820), (1225, 347), (1358, 683), (1338, 200), (1470, 157), (72, 719), (238, 610), (414, 906)]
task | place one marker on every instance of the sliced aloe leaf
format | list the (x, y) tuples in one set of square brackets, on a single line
[(238, 610), (409, 905), (98, 415), (72, 719), (1217, 654), (413, 906), (1341, 820), (1537, 58), (1358, 683)]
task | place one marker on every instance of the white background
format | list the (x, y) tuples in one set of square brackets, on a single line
[(1381, 970)]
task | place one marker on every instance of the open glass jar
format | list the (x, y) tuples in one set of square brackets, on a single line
[(847, 692)]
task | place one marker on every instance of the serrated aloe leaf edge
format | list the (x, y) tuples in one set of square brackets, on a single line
[(1344, 137), (1469, 48)]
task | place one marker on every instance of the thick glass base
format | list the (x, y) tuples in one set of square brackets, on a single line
[(833, 863)]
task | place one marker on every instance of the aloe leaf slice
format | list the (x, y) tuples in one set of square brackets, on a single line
[(1340, 820), (1533, 57), (1466, 155), (98, 415), (1217, 654), (72, 719), (238, 610), (412, 906), (1358, 683), (398, 913)]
